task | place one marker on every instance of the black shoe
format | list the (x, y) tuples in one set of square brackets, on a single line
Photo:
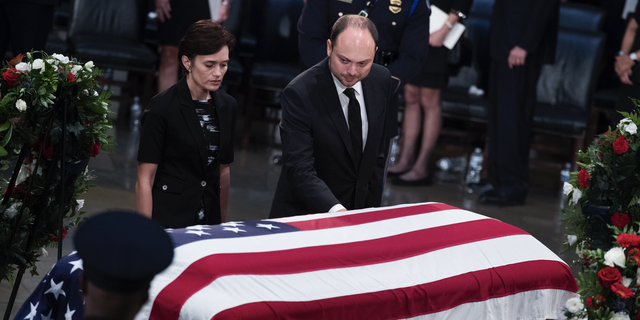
[(496, 198), (480, 188), (427, 181)]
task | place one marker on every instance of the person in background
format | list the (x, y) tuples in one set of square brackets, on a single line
[(186, 142), (121, 253), (175, 17), (522, 38), (624, 66), (333, 127), (422, 102), (403, 28)]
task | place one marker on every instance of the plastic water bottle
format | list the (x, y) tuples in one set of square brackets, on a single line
[(136, 112), (475, 167), (564, 177), (395, 149), (456, 164)]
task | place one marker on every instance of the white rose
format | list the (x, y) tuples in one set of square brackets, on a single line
[(626, 281), (53, 62), (88, 65), (567, 188), (571, 239), (75, 69), (62, 58), (615, 256), (12, 210), (95, 94), (21, 105), (23, 67), (37, 64), (621, 316), (80, 204), (574, 305), (632, 128), (577, 194)]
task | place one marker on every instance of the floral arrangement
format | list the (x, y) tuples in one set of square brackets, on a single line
[(603, 224), (37, 92)]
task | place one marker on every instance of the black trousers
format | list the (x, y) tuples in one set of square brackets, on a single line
[(512, 96), (24, 25)]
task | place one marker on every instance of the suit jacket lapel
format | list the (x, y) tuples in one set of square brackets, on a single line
[(332, 103), (187, 108)]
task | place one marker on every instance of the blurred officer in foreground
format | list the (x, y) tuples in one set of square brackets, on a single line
[(403, 29), (121, 253)]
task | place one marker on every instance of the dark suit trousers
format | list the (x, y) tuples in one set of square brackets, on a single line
[(24, 25), (512, 96)]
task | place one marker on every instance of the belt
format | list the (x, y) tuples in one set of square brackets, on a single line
[(385, 58)]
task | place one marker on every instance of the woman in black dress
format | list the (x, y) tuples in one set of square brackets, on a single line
[(186, 143), (422, 101)]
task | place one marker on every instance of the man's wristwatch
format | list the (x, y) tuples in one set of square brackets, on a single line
[(633, 56)]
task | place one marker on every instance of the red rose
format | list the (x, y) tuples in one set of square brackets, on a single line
[(591, 304), (600, 155), (583, 178), (94, 148), (621, 145), (608, 276), (587, 259), (55, 238), (628, 240), (10, 76), (71, 77), (622, 291), (47, 150), (620, 220)]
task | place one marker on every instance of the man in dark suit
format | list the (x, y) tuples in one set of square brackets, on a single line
[(523, 37), (333, 127), (403, 28)]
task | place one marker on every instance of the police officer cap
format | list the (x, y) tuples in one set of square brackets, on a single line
[(122, 251)]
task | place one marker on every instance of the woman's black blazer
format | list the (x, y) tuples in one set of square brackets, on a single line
[(173, 138)]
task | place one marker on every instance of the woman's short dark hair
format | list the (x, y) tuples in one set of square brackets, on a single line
[(203, 37)]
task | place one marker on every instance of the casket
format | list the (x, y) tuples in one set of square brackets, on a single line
[(418, 261)]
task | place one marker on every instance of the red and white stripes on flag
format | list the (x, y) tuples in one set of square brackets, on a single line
[(420, 261)]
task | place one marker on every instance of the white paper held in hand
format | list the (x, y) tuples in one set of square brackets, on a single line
[(437, 19)]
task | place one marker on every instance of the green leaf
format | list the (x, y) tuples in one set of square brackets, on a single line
[(5, 126), (3, 152), (7, 137)]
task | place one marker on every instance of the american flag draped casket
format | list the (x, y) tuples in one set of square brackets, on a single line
[(419, 261)]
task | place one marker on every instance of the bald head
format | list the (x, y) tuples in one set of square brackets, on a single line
[(352, 48), (355, 22)]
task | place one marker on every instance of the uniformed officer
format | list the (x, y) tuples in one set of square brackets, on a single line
[(121, 253), (403, 28)]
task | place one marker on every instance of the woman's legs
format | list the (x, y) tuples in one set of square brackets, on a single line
[(168, 73), (411, 123), (431, 123)]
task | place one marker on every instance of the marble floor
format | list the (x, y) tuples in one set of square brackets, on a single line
[(254, 177)]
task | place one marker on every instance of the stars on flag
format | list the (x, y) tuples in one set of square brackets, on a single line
[(56, 289), (236, 230), (76, 265), (47, 317), (33, 311), (69, 314), (197, 232), (233, 224), (266, 225)]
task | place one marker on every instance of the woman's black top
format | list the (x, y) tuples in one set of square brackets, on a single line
[(188, 145)]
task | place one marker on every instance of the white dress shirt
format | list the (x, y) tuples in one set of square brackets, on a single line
[(344, 102)]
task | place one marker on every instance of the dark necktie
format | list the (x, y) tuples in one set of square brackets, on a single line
[(355, 124)]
